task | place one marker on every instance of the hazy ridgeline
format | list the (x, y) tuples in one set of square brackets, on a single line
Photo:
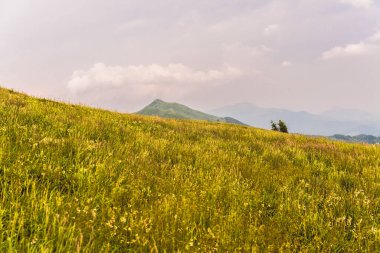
[(75, 179)]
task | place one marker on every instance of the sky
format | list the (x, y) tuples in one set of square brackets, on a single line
[(311, 55)]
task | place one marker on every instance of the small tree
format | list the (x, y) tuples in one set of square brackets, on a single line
[(274, 126), (282, 126), (279, 127)]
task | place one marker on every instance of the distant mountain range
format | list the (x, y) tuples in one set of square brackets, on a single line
[(357, 139), (339, 124), (338, 121), (178, 111)]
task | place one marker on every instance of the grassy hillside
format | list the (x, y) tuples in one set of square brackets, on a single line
[(178, 111), (75, 179)]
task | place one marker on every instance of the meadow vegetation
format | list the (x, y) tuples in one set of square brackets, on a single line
[(76, 179)]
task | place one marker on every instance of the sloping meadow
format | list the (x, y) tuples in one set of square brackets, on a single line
[(76, 179)]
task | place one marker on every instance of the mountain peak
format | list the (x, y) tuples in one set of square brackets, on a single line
[(158, 101), (178, 111)]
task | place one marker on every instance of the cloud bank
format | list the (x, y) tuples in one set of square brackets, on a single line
[(146, 77), (358, 49), (348, 50)]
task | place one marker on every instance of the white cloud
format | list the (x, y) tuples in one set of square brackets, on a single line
[(146, 77), (271, 29), (375, 38), (286, 64), (134, 24), (348, 50), (361, 48), (358, 3), (241, 49)]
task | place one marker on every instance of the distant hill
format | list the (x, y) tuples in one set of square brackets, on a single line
[(370, 139), (178, 111), (341, 121)]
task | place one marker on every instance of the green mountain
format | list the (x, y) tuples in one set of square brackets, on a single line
[(178, 111), (78, 179)]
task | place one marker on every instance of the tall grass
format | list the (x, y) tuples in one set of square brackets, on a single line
[(75, 179)]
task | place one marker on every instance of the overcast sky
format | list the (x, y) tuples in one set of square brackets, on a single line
[(309, 55)]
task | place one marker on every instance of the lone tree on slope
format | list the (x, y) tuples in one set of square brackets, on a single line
[(274, 126), (282, 126), (279, 127)]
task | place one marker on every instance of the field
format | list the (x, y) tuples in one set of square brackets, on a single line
[(76, 179)]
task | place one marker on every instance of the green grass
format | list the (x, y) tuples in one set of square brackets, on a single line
[(76, 179)]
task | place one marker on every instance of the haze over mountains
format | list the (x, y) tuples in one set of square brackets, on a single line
[(336, 121)]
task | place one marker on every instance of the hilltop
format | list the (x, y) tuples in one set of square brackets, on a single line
[(178, 111), (77, 179)]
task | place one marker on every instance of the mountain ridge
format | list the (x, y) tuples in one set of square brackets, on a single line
[(343, 121), (362, 138), (174, 110)]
